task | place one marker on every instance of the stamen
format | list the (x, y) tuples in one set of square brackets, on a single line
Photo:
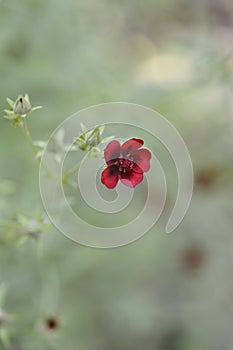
[(125, 165)]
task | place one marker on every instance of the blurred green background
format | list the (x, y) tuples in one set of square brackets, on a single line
[(162, 292)]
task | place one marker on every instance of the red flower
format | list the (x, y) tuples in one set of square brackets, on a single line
[(126, 163)]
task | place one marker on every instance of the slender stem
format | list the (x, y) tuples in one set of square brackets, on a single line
[(34, 148), (28, 137), (74, 170), (71, 172)]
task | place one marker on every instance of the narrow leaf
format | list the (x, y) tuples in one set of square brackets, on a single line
[(107, 139), (83, 127), (10, 102)]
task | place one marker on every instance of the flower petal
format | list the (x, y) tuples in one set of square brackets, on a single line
[(142, 159), (112, 151), (137, 168), (109, 177), (131, 145), (132, 179)]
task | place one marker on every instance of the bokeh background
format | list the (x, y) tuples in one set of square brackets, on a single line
[(162, 292)]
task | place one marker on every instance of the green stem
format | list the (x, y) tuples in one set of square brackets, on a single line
[(28, 137), (74, 170), (71, 172), (34, 148)]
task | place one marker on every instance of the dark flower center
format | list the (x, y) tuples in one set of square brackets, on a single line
[(125, 165)]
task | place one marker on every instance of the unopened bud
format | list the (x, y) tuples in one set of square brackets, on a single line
[(22, 105)]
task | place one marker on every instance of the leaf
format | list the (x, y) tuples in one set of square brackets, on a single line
[(83, 127), (39, 154), (36, 108), (89, 134), (38, 216), (40, 144), (94, 137), (10, 102), (8, 117), (47, 227), (107, 139), (9, 114), (101, 129), (81, 143), (8, 111), (73, 148), (22, 220), (27, 98)]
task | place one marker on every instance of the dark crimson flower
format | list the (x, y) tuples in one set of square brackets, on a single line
[(126, 163), (51, 324), (193, 257), (207, 178)]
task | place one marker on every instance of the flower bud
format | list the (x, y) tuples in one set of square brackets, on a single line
[(22, 105)]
